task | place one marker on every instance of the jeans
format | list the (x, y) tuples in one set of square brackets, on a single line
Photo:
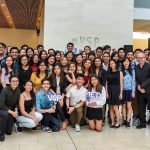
[(28, 122), (49, 120)]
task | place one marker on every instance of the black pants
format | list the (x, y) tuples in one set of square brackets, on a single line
[(143, 101), (6, 122), (60, 112), (49, 120)]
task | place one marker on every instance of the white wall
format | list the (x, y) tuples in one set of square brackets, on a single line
[(88, 22)]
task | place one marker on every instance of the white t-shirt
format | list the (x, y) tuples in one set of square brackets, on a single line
[(99, 98), (76, 95)]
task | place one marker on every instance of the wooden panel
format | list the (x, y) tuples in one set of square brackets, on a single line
[(23, 12), (3, 22)]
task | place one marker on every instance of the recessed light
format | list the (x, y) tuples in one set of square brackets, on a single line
[(3, 5), (39, 18), (7, 16)]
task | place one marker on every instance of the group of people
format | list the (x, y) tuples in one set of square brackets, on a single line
[(54, 88)]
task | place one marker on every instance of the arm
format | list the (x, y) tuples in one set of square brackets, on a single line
[(107, 95), (3, 78), (121, 85), (103, 98), (3, 98)]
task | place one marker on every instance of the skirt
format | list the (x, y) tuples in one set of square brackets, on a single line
[(127, 96), (94, 113)]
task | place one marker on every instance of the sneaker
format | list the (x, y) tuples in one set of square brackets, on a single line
[(141, 126), (127, 125), (77, 127), (47, 129), (34, 129), (18, 128), (2, 138), (124, 123)]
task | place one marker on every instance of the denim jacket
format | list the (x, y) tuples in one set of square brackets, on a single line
[(42, 100), (129, 81)]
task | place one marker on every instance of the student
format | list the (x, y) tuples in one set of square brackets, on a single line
[(43, 55), (75, 100), (29, 52), (28, 117), (46, 106), (79, 63), (87, 71), (106, 59), (34, 62), (58, 84), (114, 93), (94, 111), (99, 52), (99, 71), (70, 57), (121, 55), (7, 71), (64, 63), (57, 56), (9, 101), (128, 91), (39, 75), (25, 72), (84, 56), (50, 63)]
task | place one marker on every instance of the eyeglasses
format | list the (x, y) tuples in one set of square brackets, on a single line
[(42, 65), (14, 52), (24, 59), (1, 47), (140, 57), (15, 81)]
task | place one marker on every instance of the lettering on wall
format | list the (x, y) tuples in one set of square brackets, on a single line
[(81, 41)]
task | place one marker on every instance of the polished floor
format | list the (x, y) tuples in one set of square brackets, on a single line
[(108, 139)]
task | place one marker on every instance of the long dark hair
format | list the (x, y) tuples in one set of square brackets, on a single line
[(98, 87), (94, 66), (53, 77), (20, 64), (90, 71), (31, 60), (38, 70), (129, 68), (5, 66), (32, 94)]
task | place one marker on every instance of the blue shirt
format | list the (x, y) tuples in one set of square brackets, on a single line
[(42, 100), (129, 81)]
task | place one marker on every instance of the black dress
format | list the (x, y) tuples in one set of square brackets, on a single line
[(24, 76), (114, 88)]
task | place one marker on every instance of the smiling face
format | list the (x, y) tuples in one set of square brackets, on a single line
[(126, 63), (141, 58), (9, 61), (28, 86), (112, 65), (87, 64), (46, 85), (57, 70), (98, 62), (94, 82), (42, 67), (24, 61), (51, 60), (14, 82), (72, 67)]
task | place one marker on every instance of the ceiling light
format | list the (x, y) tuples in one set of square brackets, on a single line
[(2, 5), (7, 16)]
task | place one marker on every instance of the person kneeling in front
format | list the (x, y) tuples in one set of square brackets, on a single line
[(76, 97), (96, 98), (9, 102), (28, 117), (44, 105)]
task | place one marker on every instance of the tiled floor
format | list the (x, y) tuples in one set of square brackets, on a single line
[(108, 139)]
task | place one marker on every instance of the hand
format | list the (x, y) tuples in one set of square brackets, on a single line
[(120, 97), (142, 91), (107, 96), (71, 109), (93, 104), (51, 110), (54, 106), (14, 114), (139, 88), (35, 120), (133, 95), (70, 72)]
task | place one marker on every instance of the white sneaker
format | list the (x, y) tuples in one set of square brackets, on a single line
[(77, 127)]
